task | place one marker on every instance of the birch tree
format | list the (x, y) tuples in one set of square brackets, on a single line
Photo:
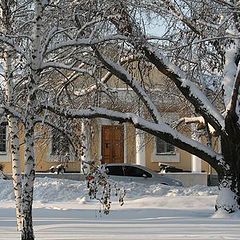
[(85, 44), (9, 81)]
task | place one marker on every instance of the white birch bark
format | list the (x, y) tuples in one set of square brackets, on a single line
[(13, 137), (16, 167), (8, 82), (29, 176)]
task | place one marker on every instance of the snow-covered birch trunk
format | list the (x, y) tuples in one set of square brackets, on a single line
[(28, 182), (16, 167), (34, 78), (8, 82), (13, 135)]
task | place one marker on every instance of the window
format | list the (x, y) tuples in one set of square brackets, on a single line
[(114, 170), (3, 137), (136, 172), (163, 147), (60, 143)]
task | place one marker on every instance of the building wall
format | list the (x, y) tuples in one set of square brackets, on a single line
[(44, 160)]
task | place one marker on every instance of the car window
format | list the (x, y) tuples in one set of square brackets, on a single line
[(114, 170), (136, 172)]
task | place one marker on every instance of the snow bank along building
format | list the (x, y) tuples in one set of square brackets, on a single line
[(113, 142)]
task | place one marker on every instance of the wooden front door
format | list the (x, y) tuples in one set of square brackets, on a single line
[(112, 144)]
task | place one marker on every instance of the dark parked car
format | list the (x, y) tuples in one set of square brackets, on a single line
[(164, 168), (138, 173)]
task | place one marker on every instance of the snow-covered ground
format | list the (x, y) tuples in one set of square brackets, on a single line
[(62, 210)]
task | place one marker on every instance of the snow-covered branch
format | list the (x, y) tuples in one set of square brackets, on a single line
[(199, 121), (234, 101), (122, 74), (108, 75), (161, 130), (10, 110), (187, 87), (9, 42), (231, 77)]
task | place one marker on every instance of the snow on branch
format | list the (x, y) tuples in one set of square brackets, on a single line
[(199, 121), (234, 107), (231, 79), (187, 87), (122, 74), (161, 130), (8, 41), (10, 110), (107, 76)]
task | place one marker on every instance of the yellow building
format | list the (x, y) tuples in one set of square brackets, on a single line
[(111, 142)]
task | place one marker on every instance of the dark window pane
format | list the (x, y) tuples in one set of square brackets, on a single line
[(60, 144), (164, 147), (3, 138), (132, 171), (114, 170)]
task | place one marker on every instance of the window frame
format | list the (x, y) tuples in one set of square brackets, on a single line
[(4, 125), (166, 146), (130, 169), (55, 134), (111, 168)]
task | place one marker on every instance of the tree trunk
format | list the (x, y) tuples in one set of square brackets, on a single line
[(13, 133), (34, 78), (27, 230), (28, 183), (228, 199), (16, 167)]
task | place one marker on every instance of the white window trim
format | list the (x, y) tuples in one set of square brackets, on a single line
[(168, 157)]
